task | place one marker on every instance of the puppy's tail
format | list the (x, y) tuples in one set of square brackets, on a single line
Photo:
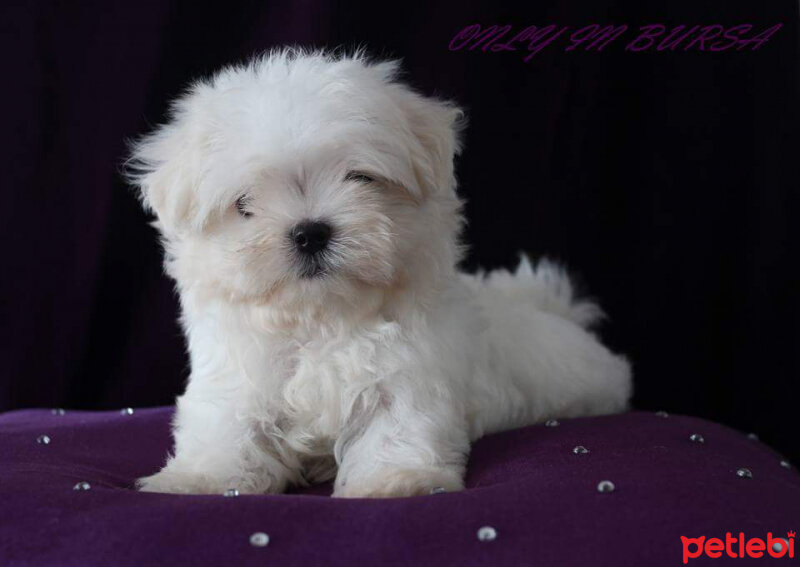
[(547, 286)]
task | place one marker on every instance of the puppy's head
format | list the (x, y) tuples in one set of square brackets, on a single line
[(303, 177)]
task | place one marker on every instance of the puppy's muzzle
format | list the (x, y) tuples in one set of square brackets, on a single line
[(310, 239)]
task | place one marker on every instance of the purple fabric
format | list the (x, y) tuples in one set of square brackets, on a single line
[(527, 484)]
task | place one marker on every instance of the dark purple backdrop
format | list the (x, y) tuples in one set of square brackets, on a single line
[(667, 181)]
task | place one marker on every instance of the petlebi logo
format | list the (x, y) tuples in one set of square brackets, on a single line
[(739, 546)]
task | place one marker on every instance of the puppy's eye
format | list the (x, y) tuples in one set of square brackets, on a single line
[(358, 177), (242, 204)]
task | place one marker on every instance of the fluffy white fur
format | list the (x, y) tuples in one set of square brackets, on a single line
[(380, 371)]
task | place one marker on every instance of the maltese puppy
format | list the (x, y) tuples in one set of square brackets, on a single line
[(308, 210)]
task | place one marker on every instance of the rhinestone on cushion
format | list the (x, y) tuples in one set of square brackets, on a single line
[(83, 485), (697, 438), (231, 492), (126, 411), (551, 423), (259, 539), (43, 440), (58, 411), (786, 464), (487, 533), (744, 473), (752, 436), (605, 486), (662, 414), (580, 450)]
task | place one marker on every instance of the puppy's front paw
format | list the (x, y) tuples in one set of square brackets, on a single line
[(176, 482), (399, 482)]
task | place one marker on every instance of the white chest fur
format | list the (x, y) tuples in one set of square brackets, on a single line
[(303, 387)]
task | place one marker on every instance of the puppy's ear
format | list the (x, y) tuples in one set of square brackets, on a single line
[(436, 126), (166, 166)]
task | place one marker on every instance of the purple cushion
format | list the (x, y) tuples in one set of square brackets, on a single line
[(529, 485)]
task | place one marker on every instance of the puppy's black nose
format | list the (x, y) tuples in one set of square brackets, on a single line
[(310, 237)]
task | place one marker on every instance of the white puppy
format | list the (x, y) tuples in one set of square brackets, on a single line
[(308, 210)]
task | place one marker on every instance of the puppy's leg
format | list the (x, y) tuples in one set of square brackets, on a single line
[(215, 450), (404, 451)]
